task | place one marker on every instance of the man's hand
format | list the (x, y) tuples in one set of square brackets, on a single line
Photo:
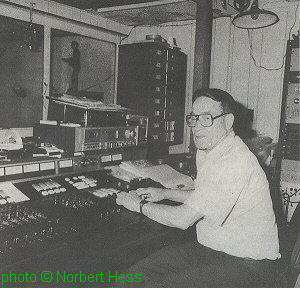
[(151, 194), (130, 200)]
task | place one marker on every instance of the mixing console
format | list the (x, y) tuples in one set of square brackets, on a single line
[(24, 226), (56, 211)]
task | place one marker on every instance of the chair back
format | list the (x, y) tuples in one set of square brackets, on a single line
[(294, 228)]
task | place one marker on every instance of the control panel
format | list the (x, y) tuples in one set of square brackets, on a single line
[(290, 185), (79, 139), (43, 213), (291, 144), (83, 162), (293, 103), (288, 165)]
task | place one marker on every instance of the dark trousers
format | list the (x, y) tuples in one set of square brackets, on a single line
[(193, 265)]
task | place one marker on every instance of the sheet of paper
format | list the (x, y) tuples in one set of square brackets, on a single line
[(121, 173), (164, 174), (11, 193)]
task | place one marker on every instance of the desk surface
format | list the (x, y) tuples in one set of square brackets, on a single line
[(112, 252)]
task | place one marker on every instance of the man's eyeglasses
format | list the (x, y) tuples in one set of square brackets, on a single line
[(205, 120)]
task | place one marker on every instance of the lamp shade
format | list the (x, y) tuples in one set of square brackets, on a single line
[(254, 19)]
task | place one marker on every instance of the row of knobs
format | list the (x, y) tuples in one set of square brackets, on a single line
[(14, 238), (18, 214), (101, 208)]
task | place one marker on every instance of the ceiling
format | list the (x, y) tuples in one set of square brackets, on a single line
[(139, 12), (13, 29), (95, 4), (154, 13)]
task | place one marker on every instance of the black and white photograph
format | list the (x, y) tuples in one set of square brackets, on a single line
[(149, 144)]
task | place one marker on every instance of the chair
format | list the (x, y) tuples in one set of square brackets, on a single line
[(295, 255), (290, 250)]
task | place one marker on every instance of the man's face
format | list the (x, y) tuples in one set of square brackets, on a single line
[(206, 138)]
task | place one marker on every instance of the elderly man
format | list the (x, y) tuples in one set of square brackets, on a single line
[(237, 237)]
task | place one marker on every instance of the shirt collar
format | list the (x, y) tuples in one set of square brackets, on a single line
[(219, 150), (223, 146)]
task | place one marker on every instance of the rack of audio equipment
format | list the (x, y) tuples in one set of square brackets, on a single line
[(288, 152), (77, 124), (152, 81)]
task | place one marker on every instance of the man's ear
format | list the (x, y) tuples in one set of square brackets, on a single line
[(229, 120)]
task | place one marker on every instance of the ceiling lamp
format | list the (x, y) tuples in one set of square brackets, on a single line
[(255, 18)]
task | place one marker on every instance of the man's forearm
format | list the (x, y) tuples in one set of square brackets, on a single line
[(180, 216), (177, 194), (159, 213)]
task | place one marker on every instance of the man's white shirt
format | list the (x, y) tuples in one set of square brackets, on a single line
[(232, 192)]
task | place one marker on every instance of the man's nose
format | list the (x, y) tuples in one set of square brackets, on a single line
[(198, 126)]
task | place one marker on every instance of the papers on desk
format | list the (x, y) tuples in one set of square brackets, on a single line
[(10, 139), (163, 174), (122, 174), (86, 103), (11, 194)]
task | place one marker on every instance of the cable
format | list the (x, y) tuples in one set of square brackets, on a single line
[(46, 88), (160, 25), (287, 197), (44, 96), (273, 2), (104, 80), (294, 21), (254, 61), (231, 6), (251, 48), (294, 18), (125, 37), (169, 25), (173, 25), (241, 6)]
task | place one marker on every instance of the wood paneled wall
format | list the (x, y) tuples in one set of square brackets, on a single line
[(234, 70)]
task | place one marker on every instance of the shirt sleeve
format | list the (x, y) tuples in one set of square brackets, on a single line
[(217, 191)]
